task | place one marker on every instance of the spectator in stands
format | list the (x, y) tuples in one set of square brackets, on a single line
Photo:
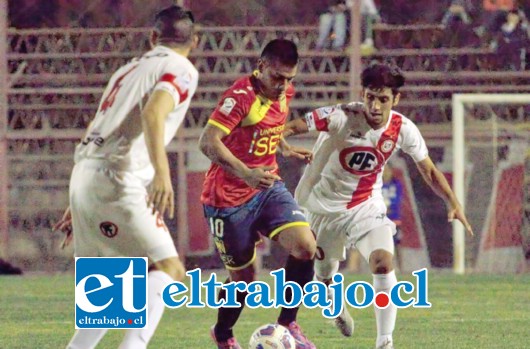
[(370, 15), (335, 17), (457, 22), (332, 17), (458, 11), (493, 16), (513, 41)]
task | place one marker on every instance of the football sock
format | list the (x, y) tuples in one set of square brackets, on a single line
[(227, 317), (139, 337), (86, 338), (385, 318), (301, 272)]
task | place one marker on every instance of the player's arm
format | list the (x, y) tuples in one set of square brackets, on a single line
[(210, 143), (295, 127), (300, 153), (328, 119), (159, 105), (438, 183)]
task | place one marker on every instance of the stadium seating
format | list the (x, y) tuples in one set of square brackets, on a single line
[(57, 77)]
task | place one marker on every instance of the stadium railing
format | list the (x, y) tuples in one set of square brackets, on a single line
[(57, 76)]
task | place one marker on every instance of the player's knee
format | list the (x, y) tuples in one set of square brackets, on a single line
[(179, 270), (304, 249), (173, 267), (247, 274), (381, 262)]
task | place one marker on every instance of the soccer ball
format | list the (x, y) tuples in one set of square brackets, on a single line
[(271, 336)]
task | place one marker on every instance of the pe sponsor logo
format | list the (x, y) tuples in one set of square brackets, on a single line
[(110, 292)]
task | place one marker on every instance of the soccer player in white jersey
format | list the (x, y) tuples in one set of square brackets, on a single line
[(341, 189), (120, 187)]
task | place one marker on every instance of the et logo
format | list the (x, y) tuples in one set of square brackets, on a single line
[(110, 292), (361, 160)]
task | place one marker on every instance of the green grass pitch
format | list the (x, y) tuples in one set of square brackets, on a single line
[(472, 311)]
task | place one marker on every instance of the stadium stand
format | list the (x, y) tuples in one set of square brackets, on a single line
[(57, 76)]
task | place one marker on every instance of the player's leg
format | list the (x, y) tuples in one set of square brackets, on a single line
[(282, 219), (377, 247), (120, 198), (325, 24), (81, 207), (161, 273), (235, 239), (330, 251), (149, 236), (339, 28), (222, 331)]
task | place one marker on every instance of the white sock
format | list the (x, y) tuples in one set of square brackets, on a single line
[(86, 338), (385, 318), (138, 338)]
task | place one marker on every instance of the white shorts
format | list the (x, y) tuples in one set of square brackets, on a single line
[(338, 231), (110, 216)]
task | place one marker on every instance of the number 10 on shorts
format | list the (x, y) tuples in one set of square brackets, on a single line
[(110, 292)]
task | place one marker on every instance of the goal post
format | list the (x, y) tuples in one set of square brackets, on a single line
[(491, 128)]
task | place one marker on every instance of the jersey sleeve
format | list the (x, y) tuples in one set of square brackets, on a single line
[(178, 82), (413, 142), (326, 119), (233, 107)]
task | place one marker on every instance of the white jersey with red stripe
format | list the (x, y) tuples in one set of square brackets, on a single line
[(349, 157), (115, 135)]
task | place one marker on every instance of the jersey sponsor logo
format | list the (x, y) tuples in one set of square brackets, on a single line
[(266, 144), (97, 140), (228, 104), (361, 160), (110, 292), (108, 229), (387, 146), (240, 92)]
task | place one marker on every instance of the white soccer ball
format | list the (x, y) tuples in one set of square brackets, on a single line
[(272, 336)]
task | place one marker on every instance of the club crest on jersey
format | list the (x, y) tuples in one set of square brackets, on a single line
[(360, 160), (387, 146), (108, 229), (228, 104)]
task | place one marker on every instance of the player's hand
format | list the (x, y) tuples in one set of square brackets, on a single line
[(64, 225), (161, 196), (299, 153), (457, 212), (261, 177), (353, 108)]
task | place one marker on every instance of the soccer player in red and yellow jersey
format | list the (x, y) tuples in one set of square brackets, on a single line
[(243, 195)]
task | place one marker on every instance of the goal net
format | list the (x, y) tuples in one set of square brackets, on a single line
[(491, 156)]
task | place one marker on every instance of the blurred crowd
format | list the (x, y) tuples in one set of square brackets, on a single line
[(500, 25), (116, 13)]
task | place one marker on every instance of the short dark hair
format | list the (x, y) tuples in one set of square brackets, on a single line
[(282, 50), (380, 75), (175, 25)]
